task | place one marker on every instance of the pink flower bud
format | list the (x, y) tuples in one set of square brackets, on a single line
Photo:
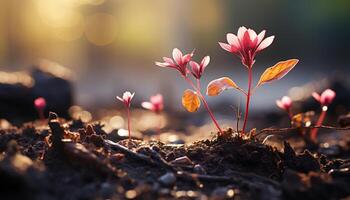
[(285, 103), (155, 104), (325, 98), (198, 69), (127, 97), (40, 103), (179, 61)]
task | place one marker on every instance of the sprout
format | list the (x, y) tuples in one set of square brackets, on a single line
[(191, 99), (40, 105), (156, 105), (285, 104), (246, 44), (324, 99), (126, 99)]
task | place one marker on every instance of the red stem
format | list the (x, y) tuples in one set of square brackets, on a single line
[(248, 99), (129, 131), (313, 134), (198, 90)]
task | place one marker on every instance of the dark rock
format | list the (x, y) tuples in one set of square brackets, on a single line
[(18, 90)]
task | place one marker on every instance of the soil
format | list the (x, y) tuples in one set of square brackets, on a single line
[(73, 160)]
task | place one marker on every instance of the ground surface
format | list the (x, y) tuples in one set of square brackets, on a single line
[(73, 160)]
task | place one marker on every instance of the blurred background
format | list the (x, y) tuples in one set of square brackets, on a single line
[(111, 45)]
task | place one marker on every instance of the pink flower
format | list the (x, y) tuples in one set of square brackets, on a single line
[(285, 103), (179, 63), (40, 103), (325, 98), (198, 69), (127, 97), (246, 44), (156, 103)]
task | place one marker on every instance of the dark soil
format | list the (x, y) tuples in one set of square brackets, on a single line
[(73, 160)]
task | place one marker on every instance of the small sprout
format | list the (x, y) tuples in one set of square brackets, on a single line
[(246, 44), (40, 105), (285, 104), (191, 99), (324, 99), (126, 99), (155, 104)]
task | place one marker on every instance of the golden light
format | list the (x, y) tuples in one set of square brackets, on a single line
[(16, 78), (116, 122), (100, 29)]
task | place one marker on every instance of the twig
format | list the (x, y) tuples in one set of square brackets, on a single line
[(153, 160), (283, 130), (240, 175)]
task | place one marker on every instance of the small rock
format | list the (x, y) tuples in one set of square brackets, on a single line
[(184, 160), (199, 169), (167, 179)]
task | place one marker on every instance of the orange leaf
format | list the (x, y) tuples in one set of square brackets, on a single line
[(277, 71), (190, 100), (216, 86)]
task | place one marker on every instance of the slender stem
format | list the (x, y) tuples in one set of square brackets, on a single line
[(319, 122), (129, 131), (290, 114), (248, 99), (41, 114), (159, 125), (198, 90)]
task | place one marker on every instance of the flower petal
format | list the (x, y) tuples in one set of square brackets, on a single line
[(252, 34), (232, 40), (195, 69), (265, 43), (261, 36), (147, 105), (205, 61), (160, 64), (246, 42), (241, 32), (177, 55), (316, 96), (279, 104), (225, 46), (168, 60), (120, 99)]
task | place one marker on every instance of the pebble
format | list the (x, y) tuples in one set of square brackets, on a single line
[(199, 169), (167, 179), (184, 160)]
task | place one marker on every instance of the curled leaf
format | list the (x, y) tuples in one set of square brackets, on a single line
[(277, 71), (216, 86), (190, 100)]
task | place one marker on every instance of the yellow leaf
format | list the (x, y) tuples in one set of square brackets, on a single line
[(190, 100), (216, 86), (277, 71)]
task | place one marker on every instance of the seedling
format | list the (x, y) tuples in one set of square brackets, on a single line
[(126, 99), (285, 104), (191, 99), (156, 105), (40, 105), (324, 99), (246, 44)]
